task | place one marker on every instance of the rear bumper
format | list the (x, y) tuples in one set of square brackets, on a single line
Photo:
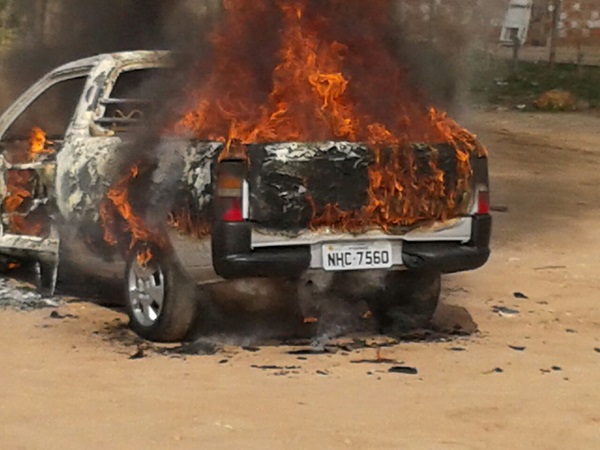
[(233, 256), (451, 257)]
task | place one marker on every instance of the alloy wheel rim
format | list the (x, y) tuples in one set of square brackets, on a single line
[(146, 288)]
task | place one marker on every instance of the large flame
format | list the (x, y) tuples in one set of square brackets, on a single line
[(321, 70), (118, 217), (333, 79)]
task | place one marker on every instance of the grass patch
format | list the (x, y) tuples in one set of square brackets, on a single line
[(494, 81)]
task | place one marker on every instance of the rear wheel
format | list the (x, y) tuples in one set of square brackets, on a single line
[(406, 301), (160, 299)]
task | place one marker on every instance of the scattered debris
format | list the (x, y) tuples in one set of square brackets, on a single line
[(376, 361), (200, 347), (499, 209), (273, 367), (520, 295), (552, 369), (550, 268), (138, 355), (311, 351), (405, 370), (517, 348), (457, 349), (496, 370), (322, 373), (23, 297), (224, 361), (251, 349), (571, 331), (56, 315), (504, 311), (597, 349)]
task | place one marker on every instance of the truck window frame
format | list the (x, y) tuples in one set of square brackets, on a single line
[(18, 108), (105, 100)]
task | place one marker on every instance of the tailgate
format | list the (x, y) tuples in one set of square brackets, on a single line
[(293, 183)]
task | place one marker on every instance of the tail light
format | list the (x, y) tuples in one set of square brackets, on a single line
[(231, 191), (483, 201)]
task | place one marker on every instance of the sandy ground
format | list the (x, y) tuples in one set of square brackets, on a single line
[(70, 383)]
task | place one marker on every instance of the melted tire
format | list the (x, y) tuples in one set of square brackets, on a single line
[(406, 301), (178, 312)]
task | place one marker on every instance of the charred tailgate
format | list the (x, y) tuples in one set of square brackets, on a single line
[(292, 183)]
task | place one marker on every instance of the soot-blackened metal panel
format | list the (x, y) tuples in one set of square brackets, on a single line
[(290, 182), (444, 157)]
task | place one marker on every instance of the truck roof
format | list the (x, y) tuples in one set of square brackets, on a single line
[(121, 58)]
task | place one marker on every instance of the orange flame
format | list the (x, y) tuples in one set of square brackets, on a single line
[(331, 82), (117, 202), (144, 257), (183, 221), (325, 71), (20, 187), (38, 144)]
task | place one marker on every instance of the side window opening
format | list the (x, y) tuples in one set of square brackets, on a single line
[(129, 102), (39, 132), (29, 148)]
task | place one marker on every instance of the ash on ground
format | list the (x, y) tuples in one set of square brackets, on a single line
[(23, 296)]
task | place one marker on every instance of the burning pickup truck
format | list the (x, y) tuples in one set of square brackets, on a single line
[(201, 211)]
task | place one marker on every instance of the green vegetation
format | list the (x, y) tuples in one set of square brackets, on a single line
[(494, 81)]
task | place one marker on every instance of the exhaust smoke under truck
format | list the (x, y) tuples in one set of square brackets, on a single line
[(322, 175)]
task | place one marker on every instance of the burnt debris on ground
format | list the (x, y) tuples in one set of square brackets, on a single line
[(23, 296)]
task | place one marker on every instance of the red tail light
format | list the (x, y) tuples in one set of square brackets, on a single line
[(230, 191), (483, 202), (234, 213)]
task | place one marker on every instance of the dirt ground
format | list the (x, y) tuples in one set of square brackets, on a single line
[(565, 54), (527, 380)]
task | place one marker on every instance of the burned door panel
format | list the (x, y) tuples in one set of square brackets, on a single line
[(180, 187), (86, 167)]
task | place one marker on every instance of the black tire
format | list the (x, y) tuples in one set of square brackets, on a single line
[(173, 319), (406, 301)]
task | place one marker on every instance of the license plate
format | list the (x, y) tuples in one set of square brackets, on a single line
[(357, 256)]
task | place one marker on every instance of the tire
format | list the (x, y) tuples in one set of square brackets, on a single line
[(406, 301), (160, 299)]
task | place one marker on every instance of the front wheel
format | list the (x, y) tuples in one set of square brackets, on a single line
[(160, 299)]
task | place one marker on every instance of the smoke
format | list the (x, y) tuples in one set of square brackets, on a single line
[(74, 29)]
